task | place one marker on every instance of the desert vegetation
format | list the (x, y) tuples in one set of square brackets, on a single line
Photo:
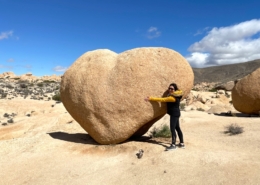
[(234, 129), (37, 90), (163, 131)]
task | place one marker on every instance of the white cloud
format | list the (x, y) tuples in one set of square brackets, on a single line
[(28, 67), (6, 35), (227, 45), (153, 32), (6, 67), (198, 59), (60, 69), (201, 31), (10, 60)]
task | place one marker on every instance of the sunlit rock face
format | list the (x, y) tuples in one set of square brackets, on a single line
[(246, 93)]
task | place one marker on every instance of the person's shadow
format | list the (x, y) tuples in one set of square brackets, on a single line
[(76, 137), (147, 139)]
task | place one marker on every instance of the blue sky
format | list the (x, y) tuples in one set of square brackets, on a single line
[(45, 37)]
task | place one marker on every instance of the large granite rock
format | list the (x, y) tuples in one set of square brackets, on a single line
[(104, 91), (228, 86), (246, 94)]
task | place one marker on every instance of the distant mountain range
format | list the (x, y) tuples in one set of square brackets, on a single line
[(225, 73)]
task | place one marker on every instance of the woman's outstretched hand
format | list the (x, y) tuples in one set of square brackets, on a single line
[(147, 98)]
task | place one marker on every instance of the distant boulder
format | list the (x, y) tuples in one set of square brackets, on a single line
[(28, 77), (228, 86), (104, 91), (8, 74), (52, 78), (246, 93)]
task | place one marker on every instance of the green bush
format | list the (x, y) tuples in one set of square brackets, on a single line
[(200, 109), (213, 90), (49, 81), (56, 97), (9, 86), (195, 89), (3, 95), (227, 95), (6, 115), (23, 85), (234, 129), (164, 131), (182, 106), (40, 84), (10, 121)]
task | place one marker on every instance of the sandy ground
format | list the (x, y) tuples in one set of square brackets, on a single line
[(49, 147)]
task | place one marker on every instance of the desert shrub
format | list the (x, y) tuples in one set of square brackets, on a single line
[(26, 92), (213, 90), (9, 86), (200, 109), (182, 106), (13, 114), (6, 115), (23, 85), (230, 102), (195, 89), (49, 81), (234, 129), (40, 84), (227, 95), (3, 95), (10, 121), (164, 131), (56, 97), (16, 78)]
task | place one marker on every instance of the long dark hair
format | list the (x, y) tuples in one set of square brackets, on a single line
[(175, 86)]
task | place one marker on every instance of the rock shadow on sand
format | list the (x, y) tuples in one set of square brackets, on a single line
[(229, 114), (75, 137)]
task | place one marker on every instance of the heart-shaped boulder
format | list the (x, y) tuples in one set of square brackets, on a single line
[(104, 91)]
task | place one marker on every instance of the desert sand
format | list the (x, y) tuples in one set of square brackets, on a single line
[(49, 147)]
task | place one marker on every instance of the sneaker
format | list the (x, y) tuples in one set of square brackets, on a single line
[(181, 145), (172, 147)]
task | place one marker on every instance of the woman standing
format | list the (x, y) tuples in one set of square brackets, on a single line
[(173, 109)]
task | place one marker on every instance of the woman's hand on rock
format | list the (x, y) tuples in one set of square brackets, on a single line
[(147, 98)]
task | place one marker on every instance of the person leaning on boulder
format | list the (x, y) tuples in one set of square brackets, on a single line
[(173, 109)]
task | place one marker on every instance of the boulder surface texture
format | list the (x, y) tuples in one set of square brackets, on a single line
[(246, 94), (104, 91)]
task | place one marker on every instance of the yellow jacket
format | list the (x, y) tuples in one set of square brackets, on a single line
[(169, 98)]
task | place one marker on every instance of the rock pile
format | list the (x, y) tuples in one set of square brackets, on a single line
[(104, 91), (28, 77), (204, 101), (12, 86)]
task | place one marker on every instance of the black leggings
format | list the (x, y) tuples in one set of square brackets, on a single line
[(175, 125)]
